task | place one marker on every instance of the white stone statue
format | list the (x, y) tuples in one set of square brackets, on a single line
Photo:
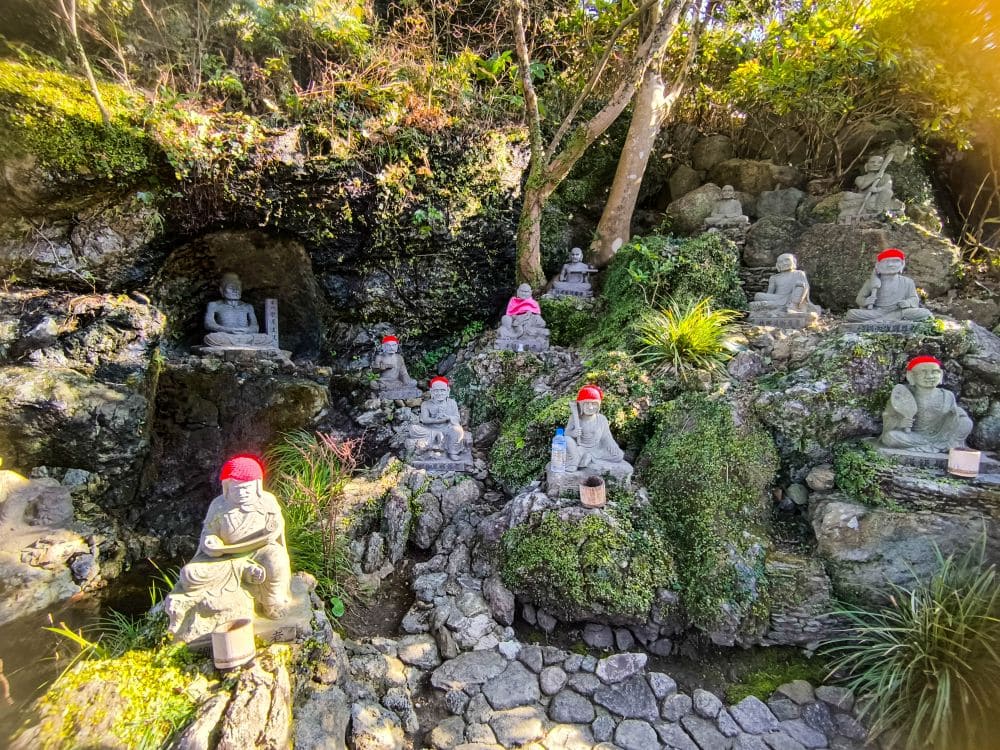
[(232, 323), (873, 198), (438, 433), (787, 292), (394, 381), (921, 416), (887, 295), (728, 211), (590, 446), (574, 277), (241, 558), (522, 327)]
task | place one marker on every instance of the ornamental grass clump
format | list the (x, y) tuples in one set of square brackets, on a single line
[(686, 337), (930, 661)]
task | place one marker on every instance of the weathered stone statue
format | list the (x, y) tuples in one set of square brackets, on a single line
[(574, 278), (241, 558), (921, 416), (437, 439), (232, 323), (873, 198), (522, 327), (888, 296), (394, 382), (728, 212), (787, 296)]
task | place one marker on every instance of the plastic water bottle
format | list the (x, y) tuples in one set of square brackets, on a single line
[(557, 463)]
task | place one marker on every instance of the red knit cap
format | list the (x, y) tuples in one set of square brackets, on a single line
[(387, 339), (242, 468), (590, 393), (438, 379), (924, 359), (892, 252)]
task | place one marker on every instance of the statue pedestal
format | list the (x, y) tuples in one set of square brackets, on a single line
[(244, 353), (886, 326), (567, 483), (777, 320), (567, 289), (438, 462), (522, 345), (927, 460), (402, 393)]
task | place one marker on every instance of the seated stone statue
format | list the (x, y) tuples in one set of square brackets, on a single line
[(920, 416), (574, 278), (241, 557), (522, 327), (233, 323), (873, 198), (590, 446), (439, 429), (394, 381), (787, 292), (888, 295), (728, 211)]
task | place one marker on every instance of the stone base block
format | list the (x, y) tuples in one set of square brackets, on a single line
[(888, 326), (399, 394), (580, 291), (567, 483), (438, 462), (522, 345), (988, 464), (243, 354), (782, 321)]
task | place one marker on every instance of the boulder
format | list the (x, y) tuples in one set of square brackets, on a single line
[(753, 177), (838, 259), (783, 202), (373, 728), (688, 213), (710, 150), (683, 181), (769, 237)]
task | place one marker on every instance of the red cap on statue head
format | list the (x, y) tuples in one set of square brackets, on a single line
[(924, 359), (590, 393), (387, 339), (242, 468), (892, 252), (439, 379)]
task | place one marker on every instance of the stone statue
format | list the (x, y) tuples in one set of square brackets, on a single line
[(921, 416), (787, 293), (574, 278), (590, 447), (231, 323), (874, 197), (728, 211), (888, 296), (522, 327), (241, 558), (394, 381), (438, 434)]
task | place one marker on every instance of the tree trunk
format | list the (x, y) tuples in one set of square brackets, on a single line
[(69, 15)]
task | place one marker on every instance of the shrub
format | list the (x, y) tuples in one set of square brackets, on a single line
[(687, 337), (858, 468), (930, 660), (568, 318)]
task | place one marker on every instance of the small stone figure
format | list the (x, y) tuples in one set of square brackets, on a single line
[(394, 381), (438, 435), (920, 415), (888, 296), (787, 294), (590, 445), (574, 278), (874, 197), (522, 327), (232, 323), (241, 557), (728, 211)]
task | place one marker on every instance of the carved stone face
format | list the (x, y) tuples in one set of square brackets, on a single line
[(889, 266), (439, 392), (785, 262), (390, 347), (728, 192), (524, 291), (590, 408), (874, 164), (576, 255), (927, 375), (241, 494), (231, 287)]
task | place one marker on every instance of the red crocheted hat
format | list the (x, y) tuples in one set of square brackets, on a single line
[(242, 468), (892, 252), (590, 393), (924, 359), (438, 379), (387, 339)]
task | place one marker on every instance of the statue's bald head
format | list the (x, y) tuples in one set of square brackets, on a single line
[(230, 281)]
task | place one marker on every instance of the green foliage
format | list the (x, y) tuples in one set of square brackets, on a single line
[(859, 470), (931, 658), (774, 667), (522, 448), (309, 472), (613, 565), (706, 478), (687, 337), (569, 319)]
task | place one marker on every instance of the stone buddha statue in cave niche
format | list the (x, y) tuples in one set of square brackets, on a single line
[(232, 323)]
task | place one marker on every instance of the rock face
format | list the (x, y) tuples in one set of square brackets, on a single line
[(753, 177), (688, 213), (769, 237)]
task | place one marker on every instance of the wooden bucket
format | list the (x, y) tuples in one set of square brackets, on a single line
[(232, 644), (963, 462), (593, 493)]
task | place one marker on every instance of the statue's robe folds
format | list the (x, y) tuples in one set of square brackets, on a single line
[(939, 426)]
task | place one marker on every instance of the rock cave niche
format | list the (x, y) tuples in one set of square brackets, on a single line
[(268, 266)]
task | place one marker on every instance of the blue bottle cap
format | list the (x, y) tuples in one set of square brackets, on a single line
[(559, 431)]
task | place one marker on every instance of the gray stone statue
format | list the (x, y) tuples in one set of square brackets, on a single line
[(574, 278), (728, 212), (888, 296), (873, 198), (920, 416), (394, 382), (232, 323), (437, 439), (522, 327), (241, 558), (787, 294)]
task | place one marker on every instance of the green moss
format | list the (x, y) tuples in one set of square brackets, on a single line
[(522, 448), (859, 470), (569, 319), (606, 564), (774, 667), (54, 117), (706, 479)]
